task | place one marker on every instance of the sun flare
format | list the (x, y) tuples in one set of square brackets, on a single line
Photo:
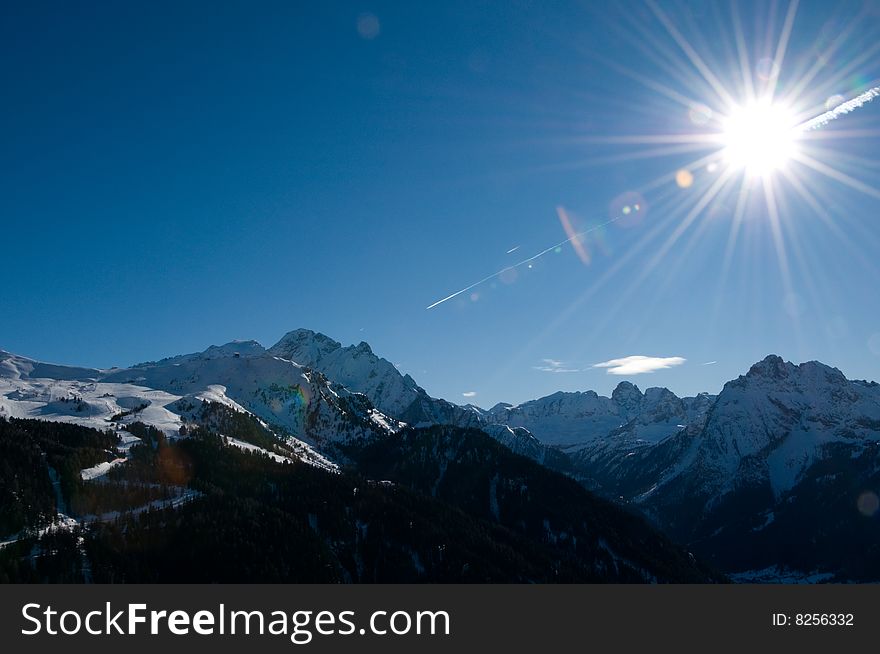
[(759, 138)]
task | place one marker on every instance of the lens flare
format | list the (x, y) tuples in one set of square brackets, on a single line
[(868, 504), (684, 178), (578, 241)]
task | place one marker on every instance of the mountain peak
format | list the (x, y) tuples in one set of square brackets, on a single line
[(772, 367), (625, 387), (302, 336), (356, 367), (235, 348), (658, 392), (305, 344), (818, 369), (628, 397)]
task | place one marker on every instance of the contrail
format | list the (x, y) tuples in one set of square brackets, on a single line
[(512, 250), (523, 262), (844, 108)]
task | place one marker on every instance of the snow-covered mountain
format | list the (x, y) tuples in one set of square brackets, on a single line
[(715, 472), (290, 399), (286, 395), (357, 368), (478, 513), (772, 424), (563, 420), (767, 427), (778, 446), (572, 421)]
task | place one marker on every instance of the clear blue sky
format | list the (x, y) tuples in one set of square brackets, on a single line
[(180, 174)]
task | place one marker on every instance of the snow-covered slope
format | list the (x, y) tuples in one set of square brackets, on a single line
[(90, 404), (289, 397), (301, 405), (13, 366)]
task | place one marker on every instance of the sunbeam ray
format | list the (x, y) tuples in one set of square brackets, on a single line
[(781, 47), (696, 60), (836, 175)]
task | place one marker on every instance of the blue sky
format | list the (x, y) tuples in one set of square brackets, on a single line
[(174, 175)]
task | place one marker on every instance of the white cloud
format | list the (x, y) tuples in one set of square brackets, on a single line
[(470, 393), (637, 365), (552, 365), (709, 363)]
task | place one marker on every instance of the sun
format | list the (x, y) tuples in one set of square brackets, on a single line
[(759, 137)]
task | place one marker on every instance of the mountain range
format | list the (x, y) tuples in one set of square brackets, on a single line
[(773, 479)]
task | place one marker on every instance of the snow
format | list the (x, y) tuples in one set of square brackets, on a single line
[(89, 474), (89, 404), (776, 575), (308, 454), (282, 395), (385, 422), (13, 366), (304, 453), (126, 441), (184, 496), (354, 367), (61, 522), (769, 517), (249, 447), (279, 392), (787, 415), (217, 393), (312, 391), (647, 493), (574, 421)]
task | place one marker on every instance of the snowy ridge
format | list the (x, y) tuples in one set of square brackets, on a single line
[(283, 394), (766, 427), (566, 420), (573, 421), (359, 370), (354, 367), (783, 416), (301, 406)]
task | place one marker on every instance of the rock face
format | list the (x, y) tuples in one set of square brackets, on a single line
[(358, 369)]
